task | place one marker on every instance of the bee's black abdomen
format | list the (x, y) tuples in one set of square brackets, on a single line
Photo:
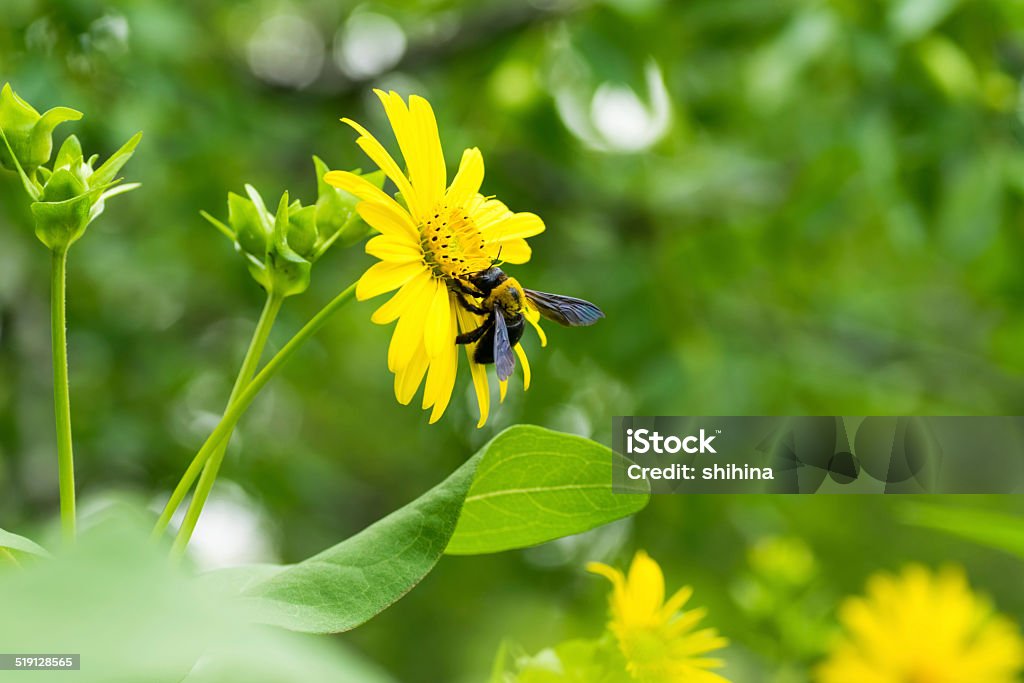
[(516, 327), (484, 353)]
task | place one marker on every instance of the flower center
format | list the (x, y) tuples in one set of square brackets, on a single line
[(452, 244)]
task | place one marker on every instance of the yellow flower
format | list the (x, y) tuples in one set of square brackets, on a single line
[(921, 627), (657, 637), (433, 235)]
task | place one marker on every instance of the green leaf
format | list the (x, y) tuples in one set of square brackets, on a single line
[(531, 484), (985, 527), (21, 544), (353, 581), (535, 485)]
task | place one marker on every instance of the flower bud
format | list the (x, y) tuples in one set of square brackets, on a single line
[(278, 247), (28, 135), (74, 194)]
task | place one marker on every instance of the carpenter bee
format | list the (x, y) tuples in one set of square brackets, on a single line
[(502, 301)]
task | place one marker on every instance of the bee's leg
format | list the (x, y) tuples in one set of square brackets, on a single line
[(471, 307), (463, 288), (474, 335)]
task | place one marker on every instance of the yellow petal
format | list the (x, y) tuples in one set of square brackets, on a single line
[(396, 305), (526, 365), (486, 212), (363, 189), (416, 131), (356, 185), (510, 251), (517, 225), (392, 249), (433, 173), (408, 335), (383, 277), (382, 158), (646, 584), (532, 316), (409, 378), (467, 322), (676, 602), (442, 381), (437, 334), (610, 573), (467, 181), (502, 390), (389, 219)]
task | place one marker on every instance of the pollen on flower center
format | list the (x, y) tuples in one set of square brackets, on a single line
[(452, 244)]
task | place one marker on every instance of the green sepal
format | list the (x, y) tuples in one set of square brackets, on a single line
[(70, 154), (32, 187), (266, 219), (108, 170), (28, 134), (59, 224), (64, 184), (115, 188), (302, 230), (248, 225), (288, 272), (222, 227)]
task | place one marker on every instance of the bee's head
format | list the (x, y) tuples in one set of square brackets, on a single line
[(487, 280)]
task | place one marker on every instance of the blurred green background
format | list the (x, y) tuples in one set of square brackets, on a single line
[(794, 207)]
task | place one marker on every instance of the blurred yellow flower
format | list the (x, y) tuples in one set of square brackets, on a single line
[(656, 636), (430, 238), (923, 627)]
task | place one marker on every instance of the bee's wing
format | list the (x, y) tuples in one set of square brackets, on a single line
[(504, 359), (565, 310)]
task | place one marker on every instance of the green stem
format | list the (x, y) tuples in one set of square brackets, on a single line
[(212, 466), (246, 397), (61, 394)]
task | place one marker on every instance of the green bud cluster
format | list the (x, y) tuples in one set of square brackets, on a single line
[(280, 248), (68, 196)]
